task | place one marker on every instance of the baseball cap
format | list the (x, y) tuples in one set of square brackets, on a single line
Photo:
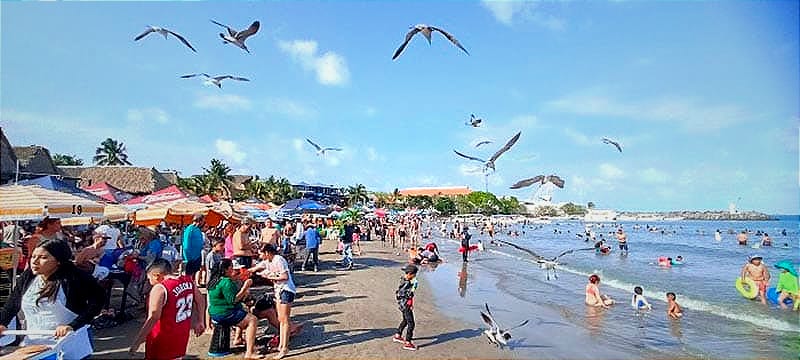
[(410, 269)]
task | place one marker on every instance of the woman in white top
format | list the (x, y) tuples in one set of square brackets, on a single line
[(274, 267)]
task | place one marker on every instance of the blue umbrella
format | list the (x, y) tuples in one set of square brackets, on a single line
[(302, 205)]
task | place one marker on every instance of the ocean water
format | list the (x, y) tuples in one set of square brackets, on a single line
[(717, 322)]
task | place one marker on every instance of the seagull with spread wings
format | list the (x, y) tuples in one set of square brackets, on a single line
[(474, 121), (321, 150), (238, 37), (549, 265), (539, 179), (165, 32), (489, 164), (216, 80), (426, 31), (497, 335), (612, 142)]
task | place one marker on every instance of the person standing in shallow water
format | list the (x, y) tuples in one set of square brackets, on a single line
[(465, 237)]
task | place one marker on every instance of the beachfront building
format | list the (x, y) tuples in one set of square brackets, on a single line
[(436, 191), (323, 193), (34, 161), (134, 180)]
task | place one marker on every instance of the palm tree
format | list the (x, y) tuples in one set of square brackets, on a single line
[(219, 178), (111, 152), (357, 194), (67, 160)]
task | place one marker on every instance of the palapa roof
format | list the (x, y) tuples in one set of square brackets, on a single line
[(35, 159), (239, 181), (8, 160), (171, 176), (434, 191), (131, 179)]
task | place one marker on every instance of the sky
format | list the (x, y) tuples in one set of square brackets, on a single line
[(702, 96)]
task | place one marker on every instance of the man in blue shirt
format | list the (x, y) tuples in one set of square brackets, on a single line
[(192, 246), (313, 241)]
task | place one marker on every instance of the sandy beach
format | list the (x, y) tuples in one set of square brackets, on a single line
[(346, 315)]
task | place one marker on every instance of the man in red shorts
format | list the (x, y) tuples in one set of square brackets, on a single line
[(175, 307)]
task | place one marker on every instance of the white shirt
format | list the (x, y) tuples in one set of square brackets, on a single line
[(111, 232), (46, 315), (279, 265)]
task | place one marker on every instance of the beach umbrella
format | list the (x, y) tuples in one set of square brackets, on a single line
[(380, 213), (112, 213), (108, 192), (787, 265), (51, 182), (166, 195), (32, 202)]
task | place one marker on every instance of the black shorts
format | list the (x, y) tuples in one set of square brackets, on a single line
[(192, 267), (623, 246)]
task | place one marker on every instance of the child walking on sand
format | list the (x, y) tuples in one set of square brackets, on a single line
[(405, 301), (673, 309), (638, 301)]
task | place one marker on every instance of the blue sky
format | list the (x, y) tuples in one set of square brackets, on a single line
[(703, 96)]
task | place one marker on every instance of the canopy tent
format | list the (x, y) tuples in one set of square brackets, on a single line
[(168, 194), (51, 182), (298, 206), (113, 213), (33, 202), (108, 192)]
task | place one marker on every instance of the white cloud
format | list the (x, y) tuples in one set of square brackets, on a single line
[(289, 108), (222, 102), (428, 180), (372, 154), (578, 137), (611, 172), (148, 114), (330, 67), (508, 12), (691, 114), (230, 150), (653, 176)]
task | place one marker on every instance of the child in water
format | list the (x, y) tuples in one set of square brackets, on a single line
[(638, 300), (673, 309)]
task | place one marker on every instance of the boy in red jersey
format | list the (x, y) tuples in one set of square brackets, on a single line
[(175, 307)]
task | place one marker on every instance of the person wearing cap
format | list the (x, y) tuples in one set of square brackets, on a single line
[(405, 302), (756, 271), (192, 246), (787, 284)]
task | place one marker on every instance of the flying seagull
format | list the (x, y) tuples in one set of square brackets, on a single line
[(540, 179), (473, 121), (165, 32), (216, 80), (426, 31), (489, 164), (549, 265), (497, 336), (484, 142), (238, 37), (320, 149), (611, 142)]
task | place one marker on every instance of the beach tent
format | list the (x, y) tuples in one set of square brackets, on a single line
[(33, 202), (108, 192), (51, 182), (168, 194)]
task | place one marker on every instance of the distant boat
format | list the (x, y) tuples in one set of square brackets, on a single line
[(594, 215)]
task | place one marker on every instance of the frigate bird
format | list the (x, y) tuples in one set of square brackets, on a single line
[(489, 164), (612, 142), (539, 179), (165, 32), (238, 37), (497, 335), (320, 149), (426, 31), (216, 80)]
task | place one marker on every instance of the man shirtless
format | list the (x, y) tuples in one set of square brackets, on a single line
[(623, 240), (757, 272), (742, 238)]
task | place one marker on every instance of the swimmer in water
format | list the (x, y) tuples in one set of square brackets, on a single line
[(673, 309)]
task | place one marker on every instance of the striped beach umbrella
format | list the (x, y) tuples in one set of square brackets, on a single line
[(33, 202)]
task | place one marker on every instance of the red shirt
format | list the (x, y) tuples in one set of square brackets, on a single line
[(169, 337)]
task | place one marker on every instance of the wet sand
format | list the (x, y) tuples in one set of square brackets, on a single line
[(347, 315)]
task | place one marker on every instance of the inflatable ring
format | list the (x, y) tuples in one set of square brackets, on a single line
[(772, 296), (747, 288)]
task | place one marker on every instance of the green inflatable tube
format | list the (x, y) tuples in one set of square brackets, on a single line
[(747, 288)]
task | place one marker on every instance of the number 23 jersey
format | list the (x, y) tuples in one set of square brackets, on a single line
[(170, 335)]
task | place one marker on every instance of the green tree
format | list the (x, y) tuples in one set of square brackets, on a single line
[(445, 205), (219, 178), (419, 201), (573, 209), (509, 205), (357, 195), (484, 202), (67, 160), (111, 152), (546, 210)]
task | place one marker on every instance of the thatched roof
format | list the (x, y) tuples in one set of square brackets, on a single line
[(131, 179), (8, 160), (35, 159), (170, 175), (239, 181)]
